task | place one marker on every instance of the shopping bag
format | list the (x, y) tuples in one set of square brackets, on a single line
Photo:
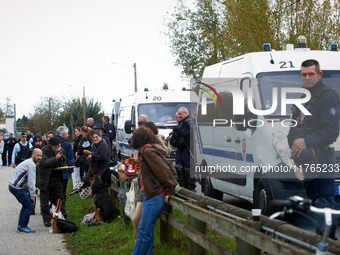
[(130, 206), (128, 168), (65, 226), (122, 173)]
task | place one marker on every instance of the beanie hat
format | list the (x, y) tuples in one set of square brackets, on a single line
[(54, 141), (37, 138)]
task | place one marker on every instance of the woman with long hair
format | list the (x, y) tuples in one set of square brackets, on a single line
[(158, 183)]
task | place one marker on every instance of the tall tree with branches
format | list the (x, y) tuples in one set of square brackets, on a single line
[(46, 115), (216, 29)]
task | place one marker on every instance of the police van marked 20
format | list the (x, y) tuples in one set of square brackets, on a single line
[(159, 105), (247, 155)]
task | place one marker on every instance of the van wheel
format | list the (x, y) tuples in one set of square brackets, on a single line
[(263, 197), (210, 191)]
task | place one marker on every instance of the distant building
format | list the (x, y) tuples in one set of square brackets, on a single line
[(10, 124)]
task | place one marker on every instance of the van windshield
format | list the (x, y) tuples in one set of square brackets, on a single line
[(162, 114), (279, 80)]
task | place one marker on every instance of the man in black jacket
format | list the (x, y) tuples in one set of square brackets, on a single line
[(312, 148), (183, 149), (50, 178), (10, 142), (109, 128)]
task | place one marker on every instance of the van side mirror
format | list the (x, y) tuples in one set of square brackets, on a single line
[(129, 127)]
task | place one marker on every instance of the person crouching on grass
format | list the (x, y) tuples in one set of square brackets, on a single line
[(158, 183), (22, 186)]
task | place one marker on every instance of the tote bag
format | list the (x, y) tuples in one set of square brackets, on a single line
[(130, 206)]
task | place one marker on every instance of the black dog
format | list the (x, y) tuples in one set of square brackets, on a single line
[(105, 211)]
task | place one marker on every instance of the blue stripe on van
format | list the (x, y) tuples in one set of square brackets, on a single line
[(125, 145), (222, 153)]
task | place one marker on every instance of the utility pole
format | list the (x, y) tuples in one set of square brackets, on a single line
[(135, 69), (15, 121), (84, 105)]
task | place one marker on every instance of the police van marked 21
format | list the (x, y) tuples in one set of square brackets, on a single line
[(247, 155), (159, 105)]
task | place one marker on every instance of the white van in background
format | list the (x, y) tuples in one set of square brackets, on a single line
[(251, 150), (159, 105)]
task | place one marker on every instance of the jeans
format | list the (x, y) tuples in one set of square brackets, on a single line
[(27, 205), (152, 208)]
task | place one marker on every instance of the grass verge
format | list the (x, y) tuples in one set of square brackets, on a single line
[(114, 238)]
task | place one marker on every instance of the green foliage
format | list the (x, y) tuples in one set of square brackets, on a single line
[(216, 29), (73, 114), (21, 122), (46, 115), (195, 37), (2, 115), (53, 112)]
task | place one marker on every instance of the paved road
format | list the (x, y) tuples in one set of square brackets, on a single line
[(14, 243)]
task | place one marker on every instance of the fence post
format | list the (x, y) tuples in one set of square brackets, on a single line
[(194, 248), (165, 229), (114, 190), (243, 247)]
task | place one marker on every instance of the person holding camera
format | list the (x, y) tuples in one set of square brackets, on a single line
[(310, 140)]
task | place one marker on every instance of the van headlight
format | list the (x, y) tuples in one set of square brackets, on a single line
[(281, 146)]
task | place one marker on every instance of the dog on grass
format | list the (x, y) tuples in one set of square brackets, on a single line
[(104, 209)]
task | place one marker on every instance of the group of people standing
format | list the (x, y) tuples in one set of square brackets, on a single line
[(53, 164)]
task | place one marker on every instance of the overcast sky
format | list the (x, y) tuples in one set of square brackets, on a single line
[(58, 47)]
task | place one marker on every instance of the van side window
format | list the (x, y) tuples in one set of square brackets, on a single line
[(133, 115), (245, 86), (209, 116), (120, 123), (225, 111)]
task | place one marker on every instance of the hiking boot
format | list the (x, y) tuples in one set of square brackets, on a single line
[(26, 229)]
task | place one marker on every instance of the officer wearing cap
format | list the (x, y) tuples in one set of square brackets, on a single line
[(318, 131)]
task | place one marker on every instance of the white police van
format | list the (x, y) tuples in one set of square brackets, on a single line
[(247, 155), (160, 106)]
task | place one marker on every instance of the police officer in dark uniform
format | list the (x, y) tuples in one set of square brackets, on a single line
[(10, 142), (310, 140), (21, 151), (182, 144), (109, 128)]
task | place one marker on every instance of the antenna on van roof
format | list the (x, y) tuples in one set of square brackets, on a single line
[(146, 94), (266, 47)]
